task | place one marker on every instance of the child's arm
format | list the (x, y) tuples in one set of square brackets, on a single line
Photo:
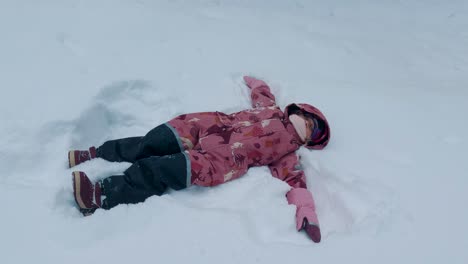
[(261, 95), (288, 169)]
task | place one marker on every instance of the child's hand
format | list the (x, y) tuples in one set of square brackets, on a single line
[(306, 218), (312, 230)]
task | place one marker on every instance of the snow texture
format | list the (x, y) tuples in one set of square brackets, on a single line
[(391, 77)]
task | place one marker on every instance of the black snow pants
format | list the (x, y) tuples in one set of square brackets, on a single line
[(158, 161)]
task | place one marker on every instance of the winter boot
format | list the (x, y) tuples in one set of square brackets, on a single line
[(87, 195), (312, 230), (76, 157)]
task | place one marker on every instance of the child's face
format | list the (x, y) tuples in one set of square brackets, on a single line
[(309, 126)]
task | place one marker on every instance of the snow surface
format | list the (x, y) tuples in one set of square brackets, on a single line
[(391, 77)]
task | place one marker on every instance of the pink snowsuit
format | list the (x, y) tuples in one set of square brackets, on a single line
[(222, 147)]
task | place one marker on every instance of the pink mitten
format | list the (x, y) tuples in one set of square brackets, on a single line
[(306, 218), (253, 83)]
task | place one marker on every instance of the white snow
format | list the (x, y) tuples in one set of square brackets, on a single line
[(391, 77)]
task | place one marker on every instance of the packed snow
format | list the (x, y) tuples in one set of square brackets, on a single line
[(390, 76)]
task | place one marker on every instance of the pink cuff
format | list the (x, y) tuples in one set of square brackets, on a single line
[(300, 197), (304, 201), (254, 83)]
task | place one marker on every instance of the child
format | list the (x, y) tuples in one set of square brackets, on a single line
[(207, 149)]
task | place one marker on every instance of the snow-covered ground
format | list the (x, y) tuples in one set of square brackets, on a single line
[(391, 77)]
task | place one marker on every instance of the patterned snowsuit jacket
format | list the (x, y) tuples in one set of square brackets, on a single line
[(222, 147)]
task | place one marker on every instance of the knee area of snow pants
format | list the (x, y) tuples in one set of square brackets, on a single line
[(147, 177), (161, 140)]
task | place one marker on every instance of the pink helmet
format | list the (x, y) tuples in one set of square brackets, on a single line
[(321, 135)]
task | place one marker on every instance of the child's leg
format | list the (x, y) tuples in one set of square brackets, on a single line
[(147, 177), (160, 141), (123, 149)]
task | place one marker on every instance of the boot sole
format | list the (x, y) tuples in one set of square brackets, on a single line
[(71, 159), (77, 190)]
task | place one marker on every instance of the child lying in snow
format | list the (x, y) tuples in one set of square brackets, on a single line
[(208, 149)]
